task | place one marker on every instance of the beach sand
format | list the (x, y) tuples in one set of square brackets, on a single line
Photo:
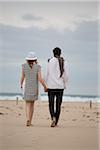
[(78, 127)]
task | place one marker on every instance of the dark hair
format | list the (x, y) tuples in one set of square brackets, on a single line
[(57, 53), (30, 62)]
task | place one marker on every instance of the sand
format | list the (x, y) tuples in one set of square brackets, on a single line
[(78, 127)]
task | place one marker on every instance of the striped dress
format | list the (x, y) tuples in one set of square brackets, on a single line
[(31, 82)]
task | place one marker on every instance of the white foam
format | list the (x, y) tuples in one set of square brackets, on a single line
[(45, 98)]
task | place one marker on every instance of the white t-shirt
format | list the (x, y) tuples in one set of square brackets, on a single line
[(53, 79)]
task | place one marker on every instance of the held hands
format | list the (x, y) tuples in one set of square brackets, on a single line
[(21, 86), (45, 89)]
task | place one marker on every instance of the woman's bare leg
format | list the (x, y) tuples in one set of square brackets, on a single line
[(29, 111)]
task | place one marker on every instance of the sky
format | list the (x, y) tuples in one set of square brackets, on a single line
[(41, 26)]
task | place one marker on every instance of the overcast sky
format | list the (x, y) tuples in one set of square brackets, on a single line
[(41, 26)]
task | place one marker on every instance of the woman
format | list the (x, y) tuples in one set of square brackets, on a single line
[(56, 81), (31, 73)]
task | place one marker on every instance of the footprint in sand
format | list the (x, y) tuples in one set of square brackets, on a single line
[(88, 116), (97, 113), (9, 108), (20, 107), (91, 120), (98, 121), (19, 114), (1, 113), (74, 119), (48, 118), (63, 107), (67, 110), (94, 112), (1, 106)]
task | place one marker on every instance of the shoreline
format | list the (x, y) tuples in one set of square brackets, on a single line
[(21, 100)]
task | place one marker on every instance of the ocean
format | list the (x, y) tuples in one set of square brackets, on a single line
[(43, 97)]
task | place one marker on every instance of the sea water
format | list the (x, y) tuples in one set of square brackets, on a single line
[(44, 97)]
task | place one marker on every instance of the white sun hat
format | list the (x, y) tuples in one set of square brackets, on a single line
[(31, 56)]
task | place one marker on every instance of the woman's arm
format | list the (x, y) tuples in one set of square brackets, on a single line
[(41, 80), (22, 77)]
